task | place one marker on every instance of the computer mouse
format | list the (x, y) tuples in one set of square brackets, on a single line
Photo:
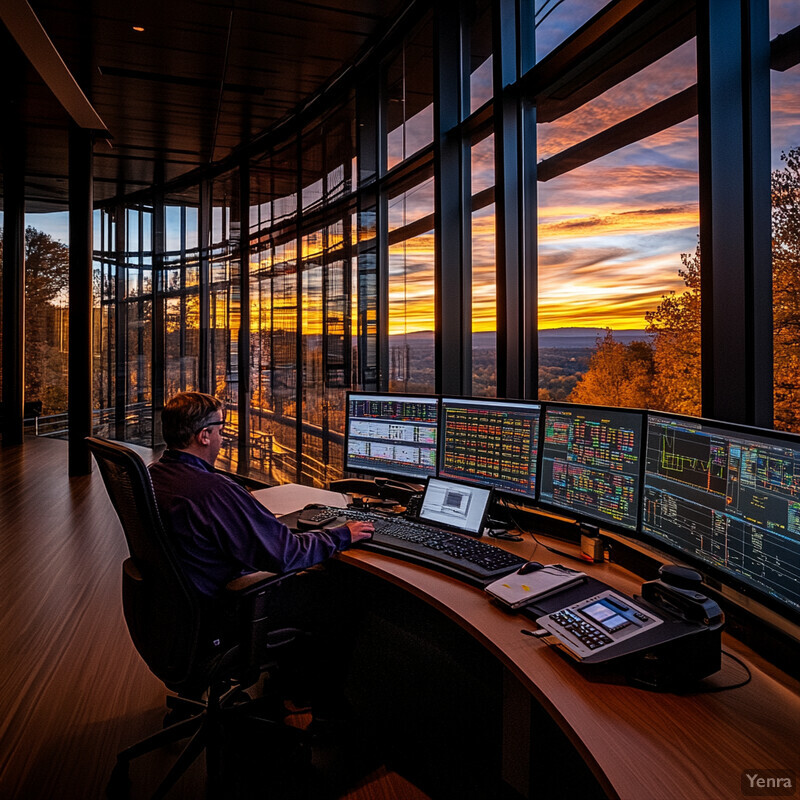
[(529, 566)]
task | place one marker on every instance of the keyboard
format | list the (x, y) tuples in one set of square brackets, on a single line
[(455, 554)]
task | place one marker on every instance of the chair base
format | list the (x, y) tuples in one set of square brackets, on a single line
[(215, 721)]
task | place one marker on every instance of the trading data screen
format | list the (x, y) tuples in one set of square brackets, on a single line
[(729, 499), (391, 434), (490, 442), (590, 463)]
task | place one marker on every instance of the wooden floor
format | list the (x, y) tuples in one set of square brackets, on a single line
[(73, 691)]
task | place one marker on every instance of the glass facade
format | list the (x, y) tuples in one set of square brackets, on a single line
[(785, 164), (322, 259)]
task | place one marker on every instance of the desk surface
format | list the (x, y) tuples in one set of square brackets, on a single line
[(639, 744)]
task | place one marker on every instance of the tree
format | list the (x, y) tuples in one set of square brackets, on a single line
[(676, 321), (618, 374), (786, 290), (676, 344), (46, 279)]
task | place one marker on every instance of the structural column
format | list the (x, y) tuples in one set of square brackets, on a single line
[(204, 221), (243, 350), (453, 257), (735, 233), (13, 275), (157, 362), (515, 187), (80, 299)]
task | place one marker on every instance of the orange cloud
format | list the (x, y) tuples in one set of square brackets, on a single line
[(635, 221)]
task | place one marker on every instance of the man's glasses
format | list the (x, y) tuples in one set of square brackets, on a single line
[(219, 422)]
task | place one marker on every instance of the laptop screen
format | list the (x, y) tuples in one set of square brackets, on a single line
[(458, 506)]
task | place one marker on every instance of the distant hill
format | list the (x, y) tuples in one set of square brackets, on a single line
[(565, 337), (549, 337), (587, 337)]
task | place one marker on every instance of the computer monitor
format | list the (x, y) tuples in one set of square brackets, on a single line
[(590, 463), (458, 506), (391, 434), (726, 499), (490, 442)]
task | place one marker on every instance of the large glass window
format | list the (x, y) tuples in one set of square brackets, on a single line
[(47, 318), (618, 261), (556, 21), (484, 266), (411, 289), (409, 97), (180, 285), (224, 304), (480, 55), (785, 135)]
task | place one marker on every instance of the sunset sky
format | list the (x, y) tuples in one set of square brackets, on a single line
[(610, 232)]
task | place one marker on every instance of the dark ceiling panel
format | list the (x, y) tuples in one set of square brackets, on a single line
[(200, 77)]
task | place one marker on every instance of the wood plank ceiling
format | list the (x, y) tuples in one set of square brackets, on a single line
[(195, 82)]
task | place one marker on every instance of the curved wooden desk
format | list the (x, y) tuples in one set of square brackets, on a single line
[(639, 745)]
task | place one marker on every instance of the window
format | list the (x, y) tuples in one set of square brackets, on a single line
[(618, 224), (409, 97), (484, 266), (785, 141), (411, 289)]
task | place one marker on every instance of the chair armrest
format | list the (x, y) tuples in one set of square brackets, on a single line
[(252, 600), (254, 582)]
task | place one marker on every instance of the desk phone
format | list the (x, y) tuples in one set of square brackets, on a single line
[(598, 623)]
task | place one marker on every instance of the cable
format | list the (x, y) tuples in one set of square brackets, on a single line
[(712, 689), (549, 549)]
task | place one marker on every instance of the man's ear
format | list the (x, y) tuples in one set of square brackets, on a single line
[(203, 436)]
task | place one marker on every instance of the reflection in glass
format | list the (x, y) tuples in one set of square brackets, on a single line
[(480, 55), (409, 91), (556, 20), (484, 274)]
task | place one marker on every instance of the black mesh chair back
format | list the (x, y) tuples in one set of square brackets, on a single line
[(162, 610)]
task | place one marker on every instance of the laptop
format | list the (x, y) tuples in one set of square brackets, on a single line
[(454, 506)]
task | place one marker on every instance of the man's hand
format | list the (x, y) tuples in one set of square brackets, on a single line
[(360, 530)]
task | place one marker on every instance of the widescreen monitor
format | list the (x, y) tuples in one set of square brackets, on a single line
[(590, 463), (726, 498), (391, 434), (490, 442)]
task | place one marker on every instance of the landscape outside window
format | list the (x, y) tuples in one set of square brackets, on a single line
[(785, 141), (484, 271), (618, 264), (618, 269)]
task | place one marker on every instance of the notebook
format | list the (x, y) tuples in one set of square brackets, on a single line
[(517, 590)]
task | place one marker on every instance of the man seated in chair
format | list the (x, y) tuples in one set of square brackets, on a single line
[(221, 530)]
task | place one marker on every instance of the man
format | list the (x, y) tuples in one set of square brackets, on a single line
[(220, 529)]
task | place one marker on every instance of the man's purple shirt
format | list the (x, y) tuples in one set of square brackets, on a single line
[(221, 531)]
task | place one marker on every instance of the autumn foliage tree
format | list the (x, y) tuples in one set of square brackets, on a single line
[(46, 279), (675, 328), (675, 325), (618, 374), (786, 290)]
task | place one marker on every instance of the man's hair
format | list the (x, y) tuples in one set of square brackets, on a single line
[(185, 415)]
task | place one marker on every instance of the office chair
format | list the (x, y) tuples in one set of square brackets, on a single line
[(196, 647)]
